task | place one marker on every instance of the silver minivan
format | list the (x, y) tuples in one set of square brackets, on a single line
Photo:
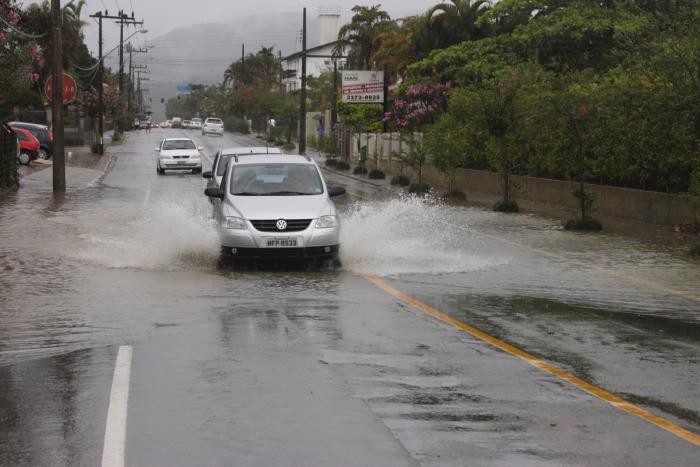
[(276, 206)]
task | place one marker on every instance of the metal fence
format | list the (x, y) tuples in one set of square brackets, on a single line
[(9, 178)]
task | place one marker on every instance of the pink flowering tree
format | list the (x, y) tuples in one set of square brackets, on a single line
[(20, 57), (418, 105), (415, 107)]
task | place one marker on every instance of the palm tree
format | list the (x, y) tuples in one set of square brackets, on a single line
[(458, 21), (358, 36)]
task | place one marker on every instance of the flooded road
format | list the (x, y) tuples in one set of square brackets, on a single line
[(323, 367)]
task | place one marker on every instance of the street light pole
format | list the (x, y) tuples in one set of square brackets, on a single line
[(302, 94), (100, 93), (59, 157)]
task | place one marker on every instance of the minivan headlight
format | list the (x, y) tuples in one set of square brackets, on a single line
[(235, 223), (327, 222)]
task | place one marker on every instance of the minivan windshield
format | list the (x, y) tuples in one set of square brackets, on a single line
[(178, 144), (275, 180)]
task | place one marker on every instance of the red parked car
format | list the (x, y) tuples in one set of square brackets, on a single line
[(28, 145)]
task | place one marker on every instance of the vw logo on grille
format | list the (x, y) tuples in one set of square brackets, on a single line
[(281, 224)]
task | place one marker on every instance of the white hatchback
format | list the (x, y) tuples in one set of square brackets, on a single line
[(178, 154), (213, 126)]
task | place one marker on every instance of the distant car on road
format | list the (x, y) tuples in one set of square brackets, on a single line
[(166, 124), (196, 123), (276, 206), (224, 155), (176, 122), (28, 146), (178, 154), (42, 133), (213, 126)]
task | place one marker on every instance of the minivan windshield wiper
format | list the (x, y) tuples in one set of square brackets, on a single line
[(286, 193), (247, 193)]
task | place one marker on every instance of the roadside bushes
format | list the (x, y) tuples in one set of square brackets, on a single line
[(506, 206), (400, 180), (236, 124), (695, 251), (376, 174), (342, 165), (419, 188), (360, 170)]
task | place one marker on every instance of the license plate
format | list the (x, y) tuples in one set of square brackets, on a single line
[(281, 242), (181, 162)]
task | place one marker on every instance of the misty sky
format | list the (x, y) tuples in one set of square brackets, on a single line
[(162, 16)]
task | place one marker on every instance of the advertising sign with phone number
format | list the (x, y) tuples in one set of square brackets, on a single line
[(363, 87)]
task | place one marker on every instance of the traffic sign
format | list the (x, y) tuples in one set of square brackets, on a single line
[(70, 88)]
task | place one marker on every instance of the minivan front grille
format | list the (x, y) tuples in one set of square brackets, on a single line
[(181, 157), (293, 225)]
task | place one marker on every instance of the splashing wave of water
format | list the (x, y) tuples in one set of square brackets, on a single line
[(409, 235), (168, 235)]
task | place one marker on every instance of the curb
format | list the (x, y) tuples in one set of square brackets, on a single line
[(343, 174)]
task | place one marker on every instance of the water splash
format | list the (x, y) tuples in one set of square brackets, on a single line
[(408, 235), (166, 236)]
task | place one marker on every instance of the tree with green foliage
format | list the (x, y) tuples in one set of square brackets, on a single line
[(458, 21), (358, 37)]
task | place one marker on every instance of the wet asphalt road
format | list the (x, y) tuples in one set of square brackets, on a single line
[(323, 368)]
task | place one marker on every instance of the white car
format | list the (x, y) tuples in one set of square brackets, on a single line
[(196, 123), (187, 124), (276, 206), (224, 155), (213, 126), (178, 154)]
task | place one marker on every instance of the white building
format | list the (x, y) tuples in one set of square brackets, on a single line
[(319, 58)]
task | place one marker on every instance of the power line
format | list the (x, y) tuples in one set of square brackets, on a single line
[(22, 33)]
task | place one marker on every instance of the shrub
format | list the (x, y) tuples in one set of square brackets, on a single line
[(506, 206), (400, 180), (331, 162), (454, 195), (236, 124), (376, 174), (95, 148), (342, 165), (419, 188), (585, 224), (287, 147), (695, 251), (359, 170)]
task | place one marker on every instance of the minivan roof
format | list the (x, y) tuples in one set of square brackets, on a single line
[(240, 151), (273, 159)]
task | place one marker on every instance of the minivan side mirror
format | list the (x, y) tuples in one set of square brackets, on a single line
[(214, 192), (157, 149), (200, 148), (207, 174), (336, 191)]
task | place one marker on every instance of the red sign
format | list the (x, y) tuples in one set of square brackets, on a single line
[(70, 88)]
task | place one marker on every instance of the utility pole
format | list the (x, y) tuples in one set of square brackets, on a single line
[(59, 156), (122, 19), (132, 71), (385, 104), (302, 94), (334, 94), (100, 88), (242, 63)]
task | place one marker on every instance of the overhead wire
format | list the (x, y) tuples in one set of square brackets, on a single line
[(22, 33)]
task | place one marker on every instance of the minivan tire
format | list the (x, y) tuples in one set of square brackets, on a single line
[(24, 158)]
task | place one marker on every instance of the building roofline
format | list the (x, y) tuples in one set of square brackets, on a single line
[(298, 54)]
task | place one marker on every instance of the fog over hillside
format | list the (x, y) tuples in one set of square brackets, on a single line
[(201, 53)]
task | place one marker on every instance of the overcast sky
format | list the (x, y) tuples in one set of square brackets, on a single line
[(162, 16)]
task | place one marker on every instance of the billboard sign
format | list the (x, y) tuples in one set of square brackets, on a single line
[(184, 90), (363, 87)]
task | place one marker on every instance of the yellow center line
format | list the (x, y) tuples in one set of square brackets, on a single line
[(596, 391)]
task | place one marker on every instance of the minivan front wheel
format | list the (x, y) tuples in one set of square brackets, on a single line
[(24, 158), (44, 154)]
